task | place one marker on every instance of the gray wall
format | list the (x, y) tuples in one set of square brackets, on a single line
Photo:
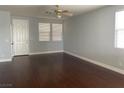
[(40, 46), (5, 36), (92, 35), (36, 46)]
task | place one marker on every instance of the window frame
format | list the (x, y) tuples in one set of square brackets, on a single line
[(51, 32), (116, 32), (61, 32), (41, 31)]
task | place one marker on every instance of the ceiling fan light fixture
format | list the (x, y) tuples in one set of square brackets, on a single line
[(59, 15)]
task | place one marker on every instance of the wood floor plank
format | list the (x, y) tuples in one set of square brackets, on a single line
[(57, 70)]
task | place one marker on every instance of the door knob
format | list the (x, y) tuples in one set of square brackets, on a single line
[(12, 43)]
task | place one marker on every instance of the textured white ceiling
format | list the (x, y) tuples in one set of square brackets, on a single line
[(76, 9), (39, 10)]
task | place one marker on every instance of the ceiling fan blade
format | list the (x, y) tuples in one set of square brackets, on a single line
[(67, 13), (49, 12)]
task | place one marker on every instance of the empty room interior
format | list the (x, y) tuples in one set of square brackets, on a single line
[(61, 46)]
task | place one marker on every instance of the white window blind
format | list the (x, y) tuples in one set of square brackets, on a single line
[(119, 28), (56, 32), (44, 31)]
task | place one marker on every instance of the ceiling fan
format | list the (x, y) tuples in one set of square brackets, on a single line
[(59, 12)]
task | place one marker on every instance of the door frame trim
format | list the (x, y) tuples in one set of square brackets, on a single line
[(11, 27)]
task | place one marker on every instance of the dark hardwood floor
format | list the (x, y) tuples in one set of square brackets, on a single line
[(56, 70)]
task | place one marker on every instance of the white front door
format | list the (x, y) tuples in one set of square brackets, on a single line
[(20, 36)]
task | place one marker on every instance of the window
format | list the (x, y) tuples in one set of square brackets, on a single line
[(56, 32), (119, 28), (49, 32), (44, 31)]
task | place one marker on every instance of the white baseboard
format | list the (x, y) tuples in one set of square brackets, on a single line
[(5, 60), (46, 52), (121, 71)]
